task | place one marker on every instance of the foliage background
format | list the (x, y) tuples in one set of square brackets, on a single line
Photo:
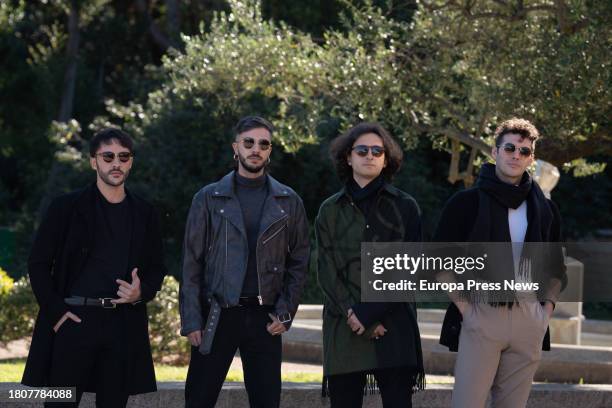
[(428, 70)]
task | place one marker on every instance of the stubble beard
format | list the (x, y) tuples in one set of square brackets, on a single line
[(249, 167)]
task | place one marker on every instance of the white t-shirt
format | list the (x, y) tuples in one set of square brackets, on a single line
[(517, 222)]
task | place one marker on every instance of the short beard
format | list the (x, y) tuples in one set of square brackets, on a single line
[(250, 168), (108, 181)]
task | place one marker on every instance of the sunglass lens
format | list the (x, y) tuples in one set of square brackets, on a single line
[(248, 142), (264, 144), (377, 151), (124, 156), (525, 151), (108, 156), (509, 147), (361, 150)]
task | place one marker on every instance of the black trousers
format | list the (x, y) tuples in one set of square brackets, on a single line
[(243, 328), (91, 352), (395, 384)]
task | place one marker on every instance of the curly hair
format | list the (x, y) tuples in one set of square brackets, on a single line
[(341, 147), (519, 126)]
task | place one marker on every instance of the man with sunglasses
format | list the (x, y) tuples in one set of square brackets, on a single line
[(366, 344), (95, 262), (499, 343), (245, 259)]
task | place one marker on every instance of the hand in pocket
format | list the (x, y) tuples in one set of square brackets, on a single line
[(66, 316)]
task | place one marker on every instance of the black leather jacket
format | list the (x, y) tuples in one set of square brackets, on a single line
[(215, 255)]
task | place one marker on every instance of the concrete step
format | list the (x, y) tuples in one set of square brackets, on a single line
[(592, 332), (233, 395), (564, 363)]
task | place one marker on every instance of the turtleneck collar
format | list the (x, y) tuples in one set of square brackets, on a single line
[(250, 182)]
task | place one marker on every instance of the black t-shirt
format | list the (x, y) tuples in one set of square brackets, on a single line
[(108, 258)]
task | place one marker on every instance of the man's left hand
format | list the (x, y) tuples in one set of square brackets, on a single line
[(128, 293), (276, 327), (549, 308)]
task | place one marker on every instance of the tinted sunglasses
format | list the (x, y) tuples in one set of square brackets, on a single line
[(109, 157), (249, 142), (362, 150), (510, 148)]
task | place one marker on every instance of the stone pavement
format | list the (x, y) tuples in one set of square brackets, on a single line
[(233, 395)]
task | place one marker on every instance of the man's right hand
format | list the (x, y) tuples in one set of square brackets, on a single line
[(66, 316), (462, 306), (195, 338)]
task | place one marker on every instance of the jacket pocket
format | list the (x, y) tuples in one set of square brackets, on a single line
[(274, 277)]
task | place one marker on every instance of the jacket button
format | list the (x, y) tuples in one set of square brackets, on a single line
[(216, 192), (275, 268), (221, 211), (282, 211), (367, 226)]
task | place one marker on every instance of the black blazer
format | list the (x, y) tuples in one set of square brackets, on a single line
[(59, 252), (455, 225)]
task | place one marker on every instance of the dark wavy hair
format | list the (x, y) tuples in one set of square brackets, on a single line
[(252, 122), (341, 148), (106, 136), (519, 126)]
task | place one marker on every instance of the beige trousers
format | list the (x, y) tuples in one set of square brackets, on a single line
[(499, 351)]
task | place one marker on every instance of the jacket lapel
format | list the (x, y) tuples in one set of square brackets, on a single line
[(230, 209), (272, 211)]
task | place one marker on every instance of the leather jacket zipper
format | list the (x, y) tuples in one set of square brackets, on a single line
[(259, 297), (273, 235)]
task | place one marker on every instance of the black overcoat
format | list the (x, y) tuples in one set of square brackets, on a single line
[(59, 252)]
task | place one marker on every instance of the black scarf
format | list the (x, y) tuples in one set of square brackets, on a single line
[(495, 197), (365, 197)]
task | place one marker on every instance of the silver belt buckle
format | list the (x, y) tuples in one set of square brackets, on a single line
[(106, 303)]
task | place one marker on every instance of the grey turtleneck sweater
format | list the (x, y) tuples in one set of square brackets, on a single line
[(251, 194)]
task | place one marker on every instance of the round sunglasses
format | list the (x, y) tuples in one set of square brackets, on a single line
[(249, 142), (511, 148), (362, 150), (109, 157)]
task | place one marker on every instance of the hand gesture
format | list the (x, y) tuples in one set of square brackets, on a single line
[(275, 327), (128, 293), (378, 332), (354, 323)]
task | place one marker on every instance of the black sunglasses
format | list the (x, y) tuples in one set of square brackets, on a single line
[(249, 142), (510, 148), (362, 150), (109, 157)]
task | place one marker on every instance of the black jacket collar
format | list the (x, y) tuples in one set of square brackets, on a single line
[(225, 187)]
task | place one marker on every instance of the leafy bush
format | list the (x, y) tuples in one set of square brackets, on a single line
[(167, 345), (18, 308)]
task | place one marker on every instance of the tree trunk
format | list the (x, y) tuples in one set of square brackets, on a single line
[(173, 21), (156, 34), (67, 102), (65, 112)]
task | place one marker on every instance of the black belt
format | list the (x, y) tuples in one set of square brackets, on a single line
[(85, 301), (249, 301)]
